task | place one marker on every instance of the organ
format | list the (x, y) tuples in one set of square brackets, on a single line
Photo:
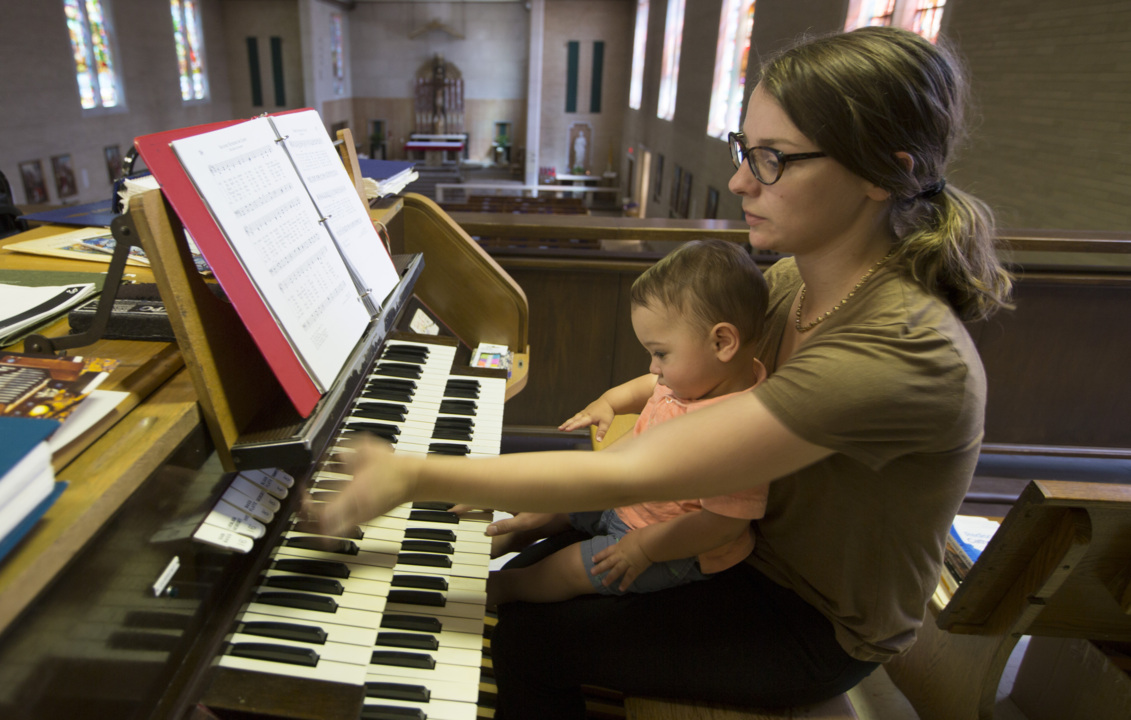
[(143, 621)]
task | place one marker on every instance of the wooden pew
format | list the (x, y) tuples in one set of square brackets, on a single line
[(1059, 566)]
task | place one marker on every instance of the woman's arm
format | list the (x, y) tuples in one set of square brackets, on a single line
[(730, 446)]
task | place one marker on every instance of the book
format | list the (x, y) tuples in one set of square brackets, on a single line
[(92, 243), (48, 387), (26, 476), (277, 218), (25, 307), (965, 542), (386, 177)]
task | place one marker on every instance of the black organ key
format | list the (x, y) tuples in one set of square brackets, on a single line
[(430, 534), (399, 370), (434, 516), (448, 449), (303, 601), (405, 353), (326, 586), (384, 431), (309, 526), (416, 623), (275, 653), (400, 658), (468, 389), (381, 393), (284, 631), (428, 546), (398, 691), (424, 559), (421, 582), (432, 505), (323, 568), (417, 597), (410, 641), (325, 544), (457, 407), (380, 411), (390, 390), (391, 712)]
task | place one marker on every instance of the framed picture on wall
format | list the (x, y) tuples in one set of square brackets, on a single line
[(64, 170), (673, 203), (658, 179), (113, 154), (685, 195), (35, 184), (712, 208)]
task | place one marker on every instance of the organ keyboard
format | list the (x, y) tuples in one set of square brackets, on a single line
[(391, 613)]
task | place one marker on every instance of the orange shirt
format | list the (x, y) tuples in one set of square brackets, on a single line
[(664, 406)]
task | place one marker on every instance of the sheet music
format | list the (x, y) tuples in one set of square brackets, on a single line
[(259, 201), (334, 194)]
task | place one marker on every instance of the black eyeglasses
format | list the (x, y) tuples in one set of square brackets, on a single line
[(766, 163)]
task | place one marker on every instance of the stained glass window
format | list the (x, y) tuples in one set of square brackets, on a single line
[(669, 64), (733, 50), (639, 44), (923, 17), (928, 18), (91, 36), (336, 54), (189, 40)]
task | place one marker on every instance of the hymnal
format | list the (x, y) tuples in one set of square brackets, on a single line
[(276, 216)]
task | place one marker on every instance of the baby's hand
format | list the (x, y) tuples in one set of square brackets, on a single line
[(625, 559), (598, 412)]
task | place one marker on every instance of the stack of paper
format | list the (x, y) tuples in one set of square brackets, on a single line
[(386, 177), (27, 481), (24, 307)]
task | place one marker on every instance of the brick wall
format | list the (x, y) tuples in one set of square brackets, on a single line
[(1051, 144)]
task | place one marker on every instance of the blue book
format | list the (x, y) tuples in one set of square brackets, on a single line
[(24, 526), (21, 435), (27, 481), (973, 534)]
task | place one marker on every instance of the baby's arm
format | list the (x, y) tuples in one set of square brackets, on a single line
[(629, 397), (685, 536)]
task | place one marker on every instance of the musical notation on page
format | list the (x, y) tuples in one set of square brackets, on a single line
[(260, 202), (334, 195)]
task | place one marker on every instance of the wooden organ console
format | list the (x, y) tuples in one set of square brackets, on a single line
[(146, 622)]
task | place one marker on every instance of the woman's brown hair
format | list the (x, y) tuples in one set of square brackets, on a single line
[(866, 95)]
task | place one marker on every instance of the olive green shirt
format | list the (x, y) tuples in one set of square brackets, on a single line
[(893, 384)]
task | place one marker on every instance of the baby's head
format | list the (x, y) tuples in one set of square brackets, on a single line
[(700, 312), (708, 282)]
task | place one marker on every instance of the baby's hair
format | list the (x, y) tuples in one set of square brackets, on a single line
[(709, 281)]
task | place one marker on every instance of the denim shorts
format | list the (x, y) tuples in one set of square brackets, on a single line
[(607, 528)]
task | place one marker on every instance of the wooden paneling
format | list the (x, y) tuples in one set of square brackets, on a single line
[(1056, 364), (575, 321)]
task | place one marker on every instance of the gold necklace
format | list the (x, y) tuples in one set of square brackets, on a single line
[(801, 300)]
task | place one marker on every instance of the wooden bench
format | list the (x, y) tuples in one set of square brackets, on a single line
[(638, 708), (1059, 566)]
